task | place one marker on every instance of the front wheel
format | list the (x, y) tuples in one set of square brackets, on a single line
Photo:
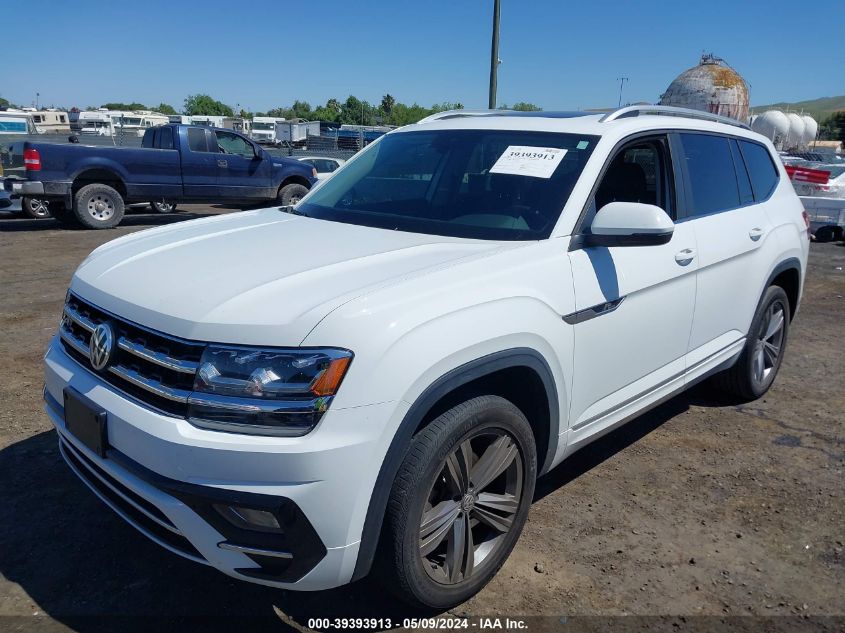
[(98, 206), (35, 208), (754, 372), (291, 194), (459, 503)]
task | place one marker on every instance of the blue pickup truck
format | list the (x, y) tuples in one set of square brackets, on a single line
[(91, 186)]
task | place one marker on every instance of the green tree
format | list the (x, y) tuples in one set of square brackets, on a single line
[(4, 103), (522, 106), (387, 104), (165, 108), (205, 105), (117, 105)]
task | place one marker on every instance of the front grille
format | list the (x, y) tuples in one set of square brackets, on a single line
[(152, 367), (142, 514)]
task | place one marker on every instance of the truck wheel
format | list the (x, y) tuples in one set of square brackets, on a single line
[(98, 206), (754, 371), (163, 207), (826, 234), (35, 208), (291, 194), (459, 502)]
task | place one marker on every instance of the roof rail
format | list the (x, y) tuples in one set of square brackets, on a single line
[(661, 110), (452, 114)]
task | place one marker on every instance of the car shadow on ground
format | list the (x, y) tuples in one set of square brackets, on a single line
[(78, 562), (14, 223)]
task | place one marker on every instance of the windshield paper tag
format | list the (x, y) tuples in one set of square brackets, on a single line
[(522, 160)]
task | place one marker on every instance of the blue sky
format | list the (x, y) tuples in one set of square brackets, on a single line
[(557, 54)]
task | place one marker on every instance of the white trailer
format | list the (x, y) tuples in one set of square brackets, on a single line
[(296, 133), (16, 122)]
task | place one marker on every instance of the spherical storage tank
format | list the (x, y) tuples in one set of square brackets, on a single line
[(774, 125), (712, 86), (795, 137), (811, 128)]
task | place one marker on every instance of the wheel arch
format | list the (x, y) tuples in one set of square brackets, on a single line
[(295, 179), (787, 275), (457, 384), (98, 175)]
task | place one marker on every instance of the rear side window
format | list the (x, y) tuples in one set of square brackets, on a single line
[(165, 138), (761, 169), (148, 139), (712, 179), (745, 195), (196, 139)]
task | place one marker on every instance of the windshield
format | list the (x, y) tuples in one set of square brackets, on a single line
[(263, 126), (128, 120), (481, 184)]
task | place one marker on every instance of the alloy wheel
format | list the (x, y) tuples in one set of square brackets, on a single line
[(100, 207), (769, 344), (471, 506)]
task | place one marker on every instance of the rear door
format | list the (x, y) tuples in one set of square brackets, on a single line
[(199, 163), (242, 172), (634, 303), (729, 228)]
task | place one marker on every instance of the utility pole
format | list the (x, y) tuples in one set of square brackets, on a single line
[(37, 97), (494, 55), (621, 81)]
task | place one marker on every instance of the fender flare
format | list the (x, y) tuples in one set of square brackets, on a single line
[(516, 357), (791, 263)]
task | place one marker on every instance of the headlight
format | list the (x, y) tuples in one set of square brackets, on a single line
[(265, 391)]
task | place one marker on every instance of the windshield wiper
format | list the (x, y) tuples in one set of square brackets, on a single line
[(293, 210)]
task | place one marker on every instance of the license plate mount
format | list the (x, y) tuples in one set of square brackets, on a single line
[(86, 421)]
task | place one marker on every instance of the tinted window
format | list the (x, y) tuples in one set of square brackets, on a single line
[(229, 143), (761, 169), (742, 181), (712, 179), (452, 182), (196, 140), (165, 138), (148, 139)]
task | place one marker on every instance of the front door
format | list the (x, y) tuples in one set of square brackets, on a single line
[(634, 304), (242, 174)]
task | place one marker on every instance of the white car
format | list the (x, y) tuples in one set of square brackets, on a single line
[(324, 165), (382, 371)]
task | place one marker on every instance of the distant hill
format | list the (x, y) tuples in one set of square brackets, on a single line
[(819, 109)]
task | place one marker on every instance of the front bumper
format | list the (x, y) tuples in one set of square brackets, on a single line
[(162, 476)]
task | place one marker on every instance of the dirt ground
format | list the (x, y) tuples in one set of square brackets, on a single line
[(699, 507)]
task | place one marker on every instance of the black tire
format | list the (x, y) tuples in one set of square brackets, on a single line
[(291, 194), (745, 380), (98, 206), (36, 208), (404, 565), (163, 207), (826, 233)]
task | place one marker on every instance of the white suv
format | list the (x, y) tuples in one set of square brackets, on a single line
[(376, 377)]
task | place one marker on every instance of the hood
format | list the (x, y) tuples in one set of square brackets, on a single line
[(261, 278)]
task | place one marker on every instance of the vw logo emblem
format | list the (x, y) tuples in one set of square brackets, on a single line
[(100, 349)]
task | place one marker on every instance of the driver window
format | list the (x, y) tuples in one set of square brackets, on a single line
[(233, 144), (640, 172)]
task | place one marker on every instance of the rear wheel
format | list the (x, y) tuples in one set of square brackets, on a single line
[(98, 206), (35, 208), (826, 234), (163, 207), (291, 194), (754, 372), (459, 503)]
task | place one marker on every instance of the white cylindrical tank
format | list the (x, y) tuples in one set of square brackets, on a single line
[(796, 131), (774, 125), (811, 128)]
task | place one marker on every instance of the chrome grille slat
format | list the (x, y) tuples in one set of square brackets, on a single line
[(158, 358), (151, 385), (154, 368), (80, 319)]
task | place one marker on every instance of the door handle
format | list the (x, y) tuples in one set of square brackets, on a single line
[(685, 256), (755, 234), (222, 163)]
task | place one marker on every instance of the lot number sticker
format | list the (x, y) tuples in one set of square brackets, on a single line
[(522, 160)]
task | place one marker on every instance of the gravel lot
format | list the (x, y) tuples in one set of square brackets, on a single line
[(699, 507)]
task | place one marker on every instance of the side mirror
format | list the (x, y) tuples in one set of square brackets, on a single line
[(630, 224)]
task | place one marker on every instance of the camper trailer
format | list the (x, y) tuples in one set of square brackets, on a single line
[(91, 122), (136, 123), (16, 122), (51, 121)]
